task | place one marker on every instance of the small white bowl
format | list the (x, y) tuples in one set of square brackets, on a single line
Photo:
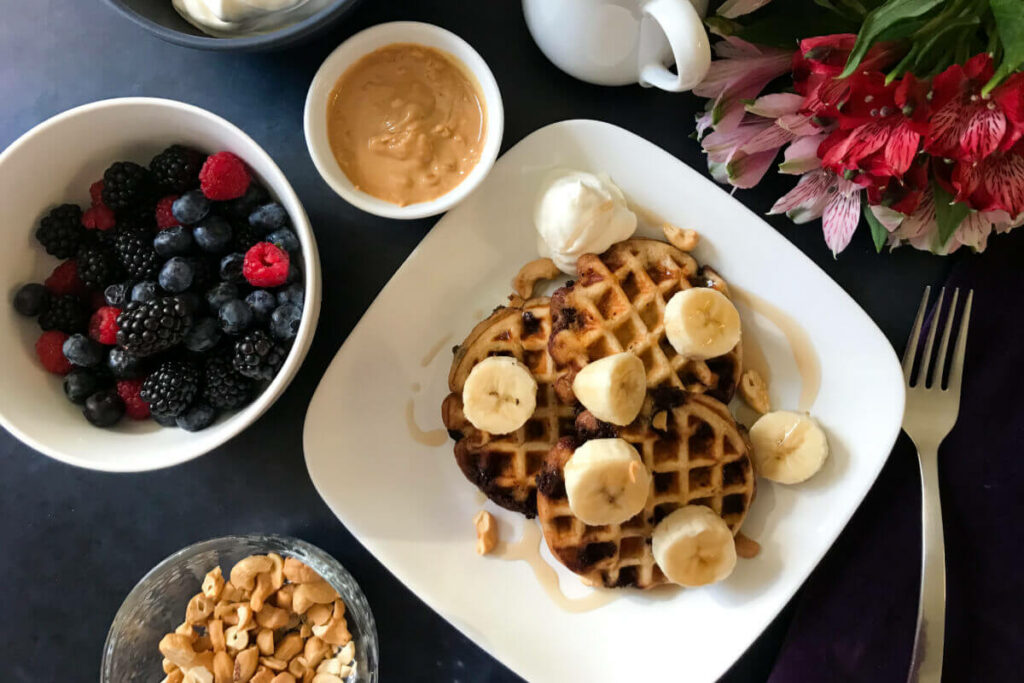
[(54, 163), (350, 52)]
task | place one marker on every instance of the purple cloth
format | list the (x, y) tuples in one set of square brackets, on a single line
[(855, 616)]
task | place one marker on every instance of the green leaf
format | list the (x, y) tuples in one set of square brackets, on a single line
[(784, 24), (943, 41), (948, 214), (878, 232), (881, 19), (1009, 20)]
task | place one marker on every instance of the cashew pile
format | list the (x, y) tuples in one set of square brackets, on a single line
[(274, 620)]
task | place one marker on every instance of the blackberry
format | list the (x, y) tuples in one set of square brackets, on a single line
[(223, 387), (61, 231), (127, 185), (97, 266), (153, 326), (65, 313), (257, 356), (171, 388), (134, 248), (176, 169)]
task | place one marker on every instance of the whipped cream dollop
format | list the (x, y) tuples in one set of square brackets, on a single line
[(580, 213), (219, 17)]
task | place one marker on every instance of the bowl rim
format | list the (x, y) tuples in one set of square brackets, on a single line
[(275, 39), (334, 65), (200, 546), (232, 425)]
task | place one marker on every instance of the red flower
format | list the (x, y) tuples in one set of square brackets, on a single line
[(967, 125), (996, 183), (821, 59), (880, 127), (901, 194)]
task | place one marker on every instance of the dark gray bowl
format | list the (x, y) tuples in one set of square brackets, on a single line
[(159, 18)]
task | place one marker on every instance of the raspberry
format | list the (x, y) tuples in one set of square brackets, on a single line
[(224, 176), (96, 192), (50, 349), (99, 217), (134, 406), (64, 279), (103, 325), (265, 265), (164, 217)]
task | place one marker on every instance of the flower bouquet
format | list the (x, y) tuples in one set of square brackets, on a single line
[(910, 112)]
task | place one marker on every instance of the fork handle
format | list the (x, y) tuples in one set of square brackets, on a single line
[(926, 662)]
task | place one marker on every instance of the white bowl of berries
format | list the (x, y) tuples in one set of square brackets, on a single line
[(168, 288)]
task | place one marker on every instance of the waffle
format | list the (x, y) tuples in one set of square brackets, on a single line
[(700, 457), (617, 304), (505, 466)]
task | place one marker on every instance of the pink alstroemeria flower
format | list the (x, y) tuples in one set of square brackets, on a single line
[(821, 193), (740, 73), (920, 229)]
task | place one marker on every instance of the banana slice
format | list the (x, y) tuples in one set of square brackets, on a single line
[(788, 447), (694, 547), (606, 482), (701, 323), (613, 388), (500, 395)]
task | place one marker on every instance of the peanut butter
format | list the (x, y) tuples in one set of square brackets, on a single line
[(406, 123)]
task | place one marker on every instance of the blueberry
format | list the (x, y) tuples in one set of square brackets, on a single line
[(118, 294), (123, 365), (231, 268), (200, 416), (31, 299), (285, 239), (190, 207), (80, 384), (214, 235), (284, 321), (262, 304), (176, 274), (144, 291), (239, 208), (165, 420), (235, 316), (82, 351), (193, 303), (203, 336), (220, 294), (292, 294), (173, 241), (103, 408), (268, 217), (294, 273)]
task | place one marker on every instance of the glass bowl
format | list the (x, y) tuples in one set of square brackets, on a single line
[(156, 606)]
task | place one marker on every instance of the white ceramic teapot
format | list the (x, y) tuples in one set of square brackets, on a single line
[(618, 42)]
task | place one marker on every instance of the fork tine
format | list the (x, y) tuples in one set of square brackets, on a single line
[(926, 360), (911, 352), (956, 371), (940, 358)]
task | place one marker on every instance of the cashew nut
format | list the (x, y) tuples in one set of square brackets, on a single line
[(265, 641), (274, 663), (175, 676), (215, 629), (232, 593), (272, 617), (347, 653), (277, 570), (263, 590), (305, 630), (244, 573), (246, 617), (236, 638), (177, 649), (289, 646), (185, 629), (531, 273), (262, 675), (327, 678), (486, 532), (319, 615), (683, 240), (314, 651), (213, 584), (312, 593), (283, 597), (227, 612), (223, 667), (198, 674), (245, 665), (335, 632), (298, 572), (298, 666), (283, 677), (168, 666), (199, 609)]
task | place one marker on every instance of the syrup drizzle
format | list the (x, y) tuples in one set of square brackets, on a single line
[(432, 437)]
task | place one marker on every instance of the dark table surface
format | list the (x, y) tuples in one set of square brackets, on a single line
[(74, 542)]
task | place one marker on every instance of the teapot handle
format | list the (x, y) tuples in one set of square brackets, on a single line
[(683, 28)]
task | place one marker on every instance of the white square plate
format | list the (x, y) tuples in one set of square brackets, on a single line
[(409, 504)]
